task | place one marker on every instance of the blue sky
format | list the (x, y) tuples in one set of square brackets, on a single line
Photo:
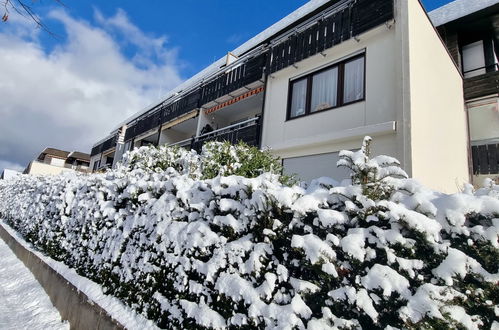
[(203, 31), (111, 59)]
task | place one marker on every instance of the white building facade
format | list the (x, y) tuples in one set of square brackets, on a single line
[(470, 30), (317, 82)]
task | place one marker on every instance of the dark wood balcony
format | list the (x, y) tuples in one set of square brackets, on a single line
[(482, 85), (105, 145), (485, 159)]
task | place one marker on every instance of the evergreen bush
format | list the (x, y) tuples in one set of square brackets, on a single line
[(225, 251)]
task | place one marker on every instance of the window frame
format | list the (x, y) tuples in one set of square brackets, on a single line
[(339, 92)]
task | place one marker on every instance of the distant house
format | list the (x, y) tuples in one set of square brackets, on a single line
[(8, 174), (78, 161), (317, 82), (55, 161), (470, 29)]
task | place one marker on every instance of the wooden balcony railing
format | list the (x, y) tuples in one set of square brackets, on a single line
[(485, 159), (482, 85), (106, 145)]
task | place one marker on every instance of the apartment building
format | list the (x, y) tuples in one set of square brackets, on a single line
[(317, 82), (470, 30), (55, 161)]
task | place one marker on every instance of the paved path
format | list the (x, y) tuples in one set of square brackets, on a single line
[(23, 302)]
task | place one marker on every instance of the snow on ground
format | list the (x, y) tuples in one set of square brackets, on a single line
[(112, 305), (23, 302)]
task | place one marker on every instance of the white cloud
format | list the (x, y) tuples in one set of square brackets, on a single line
[(73, 95), (10, 166)]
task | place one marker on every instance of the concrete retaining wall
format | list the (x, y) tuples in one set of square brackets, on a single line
[(73, 305)]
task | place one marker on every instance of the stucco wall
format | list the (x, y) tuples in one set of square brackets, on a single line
[(343, 127), (484, 119), (46, 169), (170, 135), (57, 162), (438, 124), (93, 160)]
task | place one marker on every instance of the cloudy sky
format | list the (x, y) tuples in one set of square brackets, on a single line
[(108, 60)]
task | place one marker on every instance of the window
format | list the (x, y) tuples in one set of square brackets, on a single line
[(479, 57), (354, 80), (335, 86), (325, 90), (473, 59), (298, 98)]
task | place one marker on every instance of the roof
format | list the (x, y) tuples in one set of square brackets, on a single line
[(79, 155), (458, 9), (55, 152), (273, 30)]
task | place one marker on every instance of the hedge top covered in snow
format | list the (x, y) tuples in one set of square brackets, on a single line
[(191, 249)]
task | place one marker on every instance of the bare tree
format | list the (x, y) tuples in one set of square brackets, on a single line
[(25, 9)]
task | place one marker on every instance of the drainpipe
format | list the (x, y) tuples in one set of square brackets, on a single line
[(159, 136), (265, 79)]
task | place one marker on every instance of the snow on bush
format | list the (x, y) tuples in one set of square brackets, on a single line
[(193, 249)]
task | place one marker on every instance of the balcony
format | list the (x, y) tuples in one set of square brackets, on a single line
[(482, 85), (247, 131), (105, 145)]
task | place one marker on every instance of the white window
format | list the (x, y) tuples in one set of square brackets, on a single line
[(324, 89), (354, 80), (340, 84), (299, 97), (473, 59)]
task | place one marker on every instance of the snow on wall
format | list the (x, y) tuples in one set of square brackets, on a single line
[(457, 9), (234, 251)]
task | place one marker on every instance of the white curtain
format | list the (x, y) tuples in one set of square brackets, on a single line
[(324, 90), (354, 80), (298, 98)]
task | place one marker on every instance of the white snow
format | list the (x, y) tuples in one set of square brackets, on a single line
[(315, 249), (112, 305), (231, 251), (457, 9), (387, 279), (23, 302), (459, 264)]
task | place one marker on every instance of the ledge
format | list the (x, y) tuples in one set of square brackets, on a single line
[(336, 137), (73, 305)]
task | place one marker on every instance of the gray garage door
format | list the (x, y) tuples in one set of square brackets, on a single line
[(310, 167)]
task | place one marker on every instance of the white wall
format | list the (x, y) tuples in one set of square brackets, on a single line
[(411, 84), (57, 162), (93, 160), (170, 135), (438, 123), (344, 127), (46, 169), (484, 119), (323, 165)]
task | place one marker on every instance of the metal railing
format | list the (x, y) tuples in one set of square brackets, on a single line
[(247, 131), (487, 69)]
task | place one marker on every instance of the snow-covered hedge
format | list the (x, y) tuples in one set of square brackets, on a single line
[(216, 158), (236, 252)]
